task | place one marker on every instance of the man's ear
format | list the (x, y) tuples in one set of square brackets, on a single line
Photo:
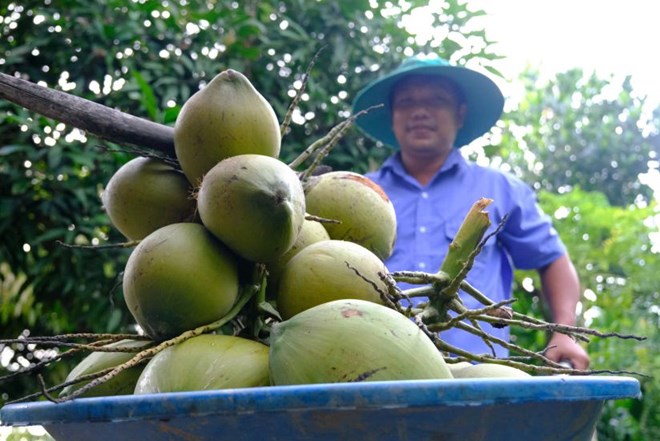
[(460, 115)]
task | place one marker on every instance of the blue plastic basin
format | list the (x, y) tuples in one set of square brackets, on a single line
[(541, 408)]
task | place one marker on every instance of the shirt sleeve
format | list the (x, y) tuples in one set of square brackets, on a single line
[(528, 235)]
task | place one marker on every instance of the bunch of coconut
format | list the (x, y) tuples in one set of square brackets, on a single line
[(229, 201)]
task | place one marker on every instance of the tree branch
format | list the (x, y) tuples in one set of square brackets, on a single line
[(105, 122)]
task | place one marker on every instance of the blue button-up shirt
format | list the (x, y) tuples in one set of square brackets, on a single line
[(429, 216)]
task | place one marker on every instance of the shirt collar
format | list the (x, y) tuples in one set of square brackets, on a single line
[(454, 160)]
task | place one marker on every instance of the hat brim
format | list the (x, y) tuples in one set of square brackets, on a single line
[(484, 100)]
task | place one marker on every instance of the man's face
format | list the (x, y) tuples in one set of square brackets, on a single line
[(426, 114)]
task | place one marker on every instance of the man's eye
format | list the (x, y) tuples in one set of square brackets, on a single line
[(429, 103), (438, 101), (404, 104)]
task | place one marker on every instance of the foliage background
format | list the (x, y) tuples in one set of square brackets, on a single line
[(581, 148)]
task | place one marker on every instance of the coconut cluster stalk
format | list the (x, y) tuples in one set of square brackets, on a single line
[(460, 256), (249, 292), (442, 293)]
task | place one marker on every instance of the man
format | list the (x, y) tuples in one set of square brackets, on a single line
[(431, 109)]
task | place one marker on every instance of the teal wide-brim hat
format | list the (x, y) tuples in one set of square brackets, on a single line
[(483, 98)]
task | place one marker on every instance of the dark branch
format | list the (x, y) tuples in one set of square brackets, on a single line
[(105, 122)]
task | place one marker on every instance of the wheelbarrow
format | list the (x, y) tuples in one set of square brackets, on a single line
[(551, 408)]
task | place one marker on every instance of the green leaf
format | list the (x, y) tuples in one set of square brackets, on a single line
[(148, 98), (10, 149), (269, 309)]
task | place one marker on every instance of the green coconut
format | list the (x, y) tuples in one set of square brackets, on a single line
[(121, 384), (178, 278), (228, 117), (206, 362), (489, 370), (365, 212), (454, 367), (254, 204), (311, 232), (145, 194), (351, 340), (329, 270)]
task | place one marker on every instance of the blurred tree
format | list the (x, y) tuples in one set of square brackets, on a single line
[(614, 252), (581, 130), (584, 147)]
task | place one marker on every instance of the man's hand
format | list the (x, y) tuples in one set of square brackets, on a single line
[(563, 348), (561, 289)]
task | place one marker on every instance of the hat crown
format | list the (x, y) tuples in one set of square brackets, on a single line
[(422, 61)]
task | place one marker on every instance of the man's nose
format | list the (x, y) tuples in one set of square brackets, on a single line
[(420, 110)]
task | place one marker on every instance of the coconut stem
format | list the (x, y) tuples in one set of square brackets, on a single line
[(314, 147), (536, 369), (248, 293), (299, 93), (129, 244), (75, 348), (325, 144), (460, 256), (446, 347), (442, 290), (461, 252)]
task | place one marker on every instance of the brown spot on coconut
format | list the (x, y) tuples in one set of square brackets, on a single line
[(372, 343), (363, 180), (366, 215), (350, 313)]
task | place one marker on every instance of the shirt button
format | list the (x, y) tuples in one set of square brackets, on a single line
[(422, 229), (425, 195), (421, 265)]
